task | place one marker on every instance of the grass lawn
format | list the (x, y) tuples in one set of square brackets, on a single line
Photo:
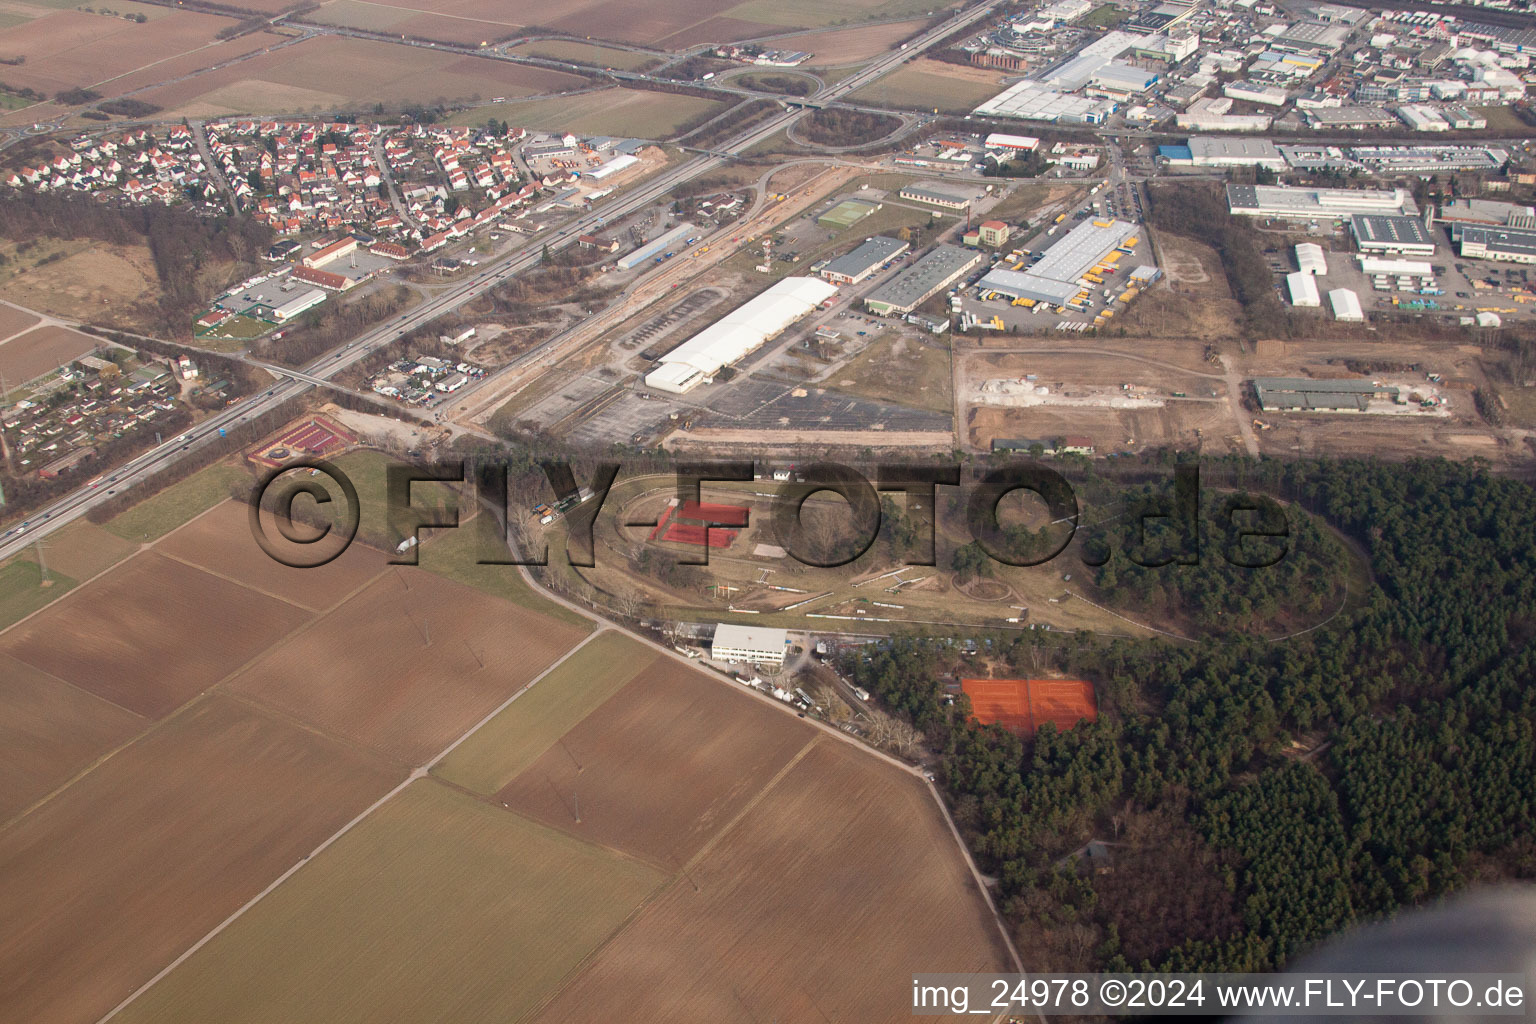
[(238, 328), (1105, 16), (159, 514), (22, 591), (1027, 198), (438, 907), (633, 113), (923, 90), (1504, 121), (592, 54), (455, 554), (815, 14), (518, 736)]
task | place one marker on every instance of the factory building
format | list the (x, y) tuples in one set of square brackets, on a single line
[(753, 645), (1301, 394), (1512, 245), (656, 247), (1316, 203), (738, 334), (305, 300), (1205, 151), (1405, 236), (855, 266), (915, 285)]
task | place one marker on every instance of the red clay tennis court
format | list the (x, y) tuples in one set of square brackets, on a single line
[(1023, 705), (705, 512), (685, 533)]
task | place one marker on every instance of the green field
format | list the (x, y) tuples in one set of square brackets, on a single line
[(633, 113), (159, 514), (907, 89), (22, 591), (888, 220), (455, 554), (517, 737), (239, 328), (592, 54), (1106, 16), (438, 907), (845, 214), (815, 14)]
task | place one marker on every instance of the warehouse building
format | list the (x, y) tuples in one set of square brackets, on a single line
[(1316, 203), (1206, 151), (1512, 245), (1300, 394), (855, 266), (1375, 266), (738, 334), (656, 247), (935, 193), (305, 300), (1486, 213), (924, 279), (1302, 288), (1405, 236), (1310, 259), (753, 645), (1346, 306), (1056, 278)]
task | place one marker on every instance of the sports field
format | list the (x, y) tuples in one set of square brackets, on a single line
[(439, 907), (1024, 705), (107, 882)]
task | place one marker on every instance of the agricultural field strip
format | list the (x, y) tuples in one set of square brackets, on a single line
[(417, 773), (581, 966), (318, 612)]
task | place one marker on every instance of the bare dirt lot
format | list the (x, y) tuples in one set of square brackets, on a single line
[(40, 350), (109, 881), (49, 730), (408, 664), (660, 767), (220, 541), (817, 905), (152, 633)]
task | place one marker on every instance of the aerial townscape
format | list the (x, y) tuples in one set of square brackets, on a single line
[(984, 487)]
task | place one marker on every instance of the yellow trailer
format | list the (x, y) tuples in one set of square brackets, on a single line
[(1026, 303)]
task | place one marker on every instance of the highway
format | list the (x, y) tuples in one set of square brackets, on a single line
[(80, 501)]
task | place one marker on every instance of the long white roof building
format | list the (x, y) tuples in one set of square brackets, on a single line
[(738, 334)]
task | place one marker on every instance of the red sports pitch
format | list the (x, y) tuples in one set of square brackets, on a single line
[(1023, 705)]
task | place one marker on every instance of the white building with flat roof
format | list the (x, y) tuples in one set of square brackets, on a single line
[(1205, 151), (1302, 288), (757, 645), (1316, 203)]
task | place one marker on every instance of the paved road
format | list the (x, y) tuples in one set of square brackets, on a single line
[(140, 468)]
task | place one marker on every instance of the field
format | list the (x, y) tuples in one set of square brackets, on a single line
[(220, 541), (592, 54), (515, 739), (439, 907), (41, 350), (660, 767), (792, 914), (99, 284), (930, 84), (637, 113), (813, 14), (163, 512), (49, 730), (846, 45), (332, 71), (67, 48), (407, 665), (81, 550), (110, 880), (899, 369), (150, 656), (14, 321)]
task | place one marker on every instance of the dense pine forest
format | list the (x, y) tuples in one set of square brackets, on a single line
[(1259, 796)]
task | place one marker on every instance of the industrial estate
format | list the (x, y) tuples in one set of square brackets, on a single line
[(725, 656)]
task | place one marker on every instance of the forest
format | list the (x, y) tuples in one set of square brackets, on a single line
[(1259, 796)]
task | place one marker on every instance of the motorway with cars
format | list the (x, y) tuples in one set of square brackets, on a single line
[(79, 502)]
